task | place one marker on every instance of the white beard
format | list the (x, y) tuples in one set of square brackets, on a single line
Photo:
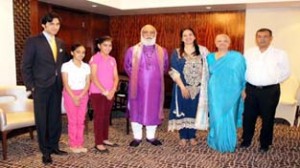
[(148, 42)]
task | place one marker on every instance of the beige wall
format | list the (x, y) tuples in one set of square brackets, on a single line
[(285, 24), (7, 44)]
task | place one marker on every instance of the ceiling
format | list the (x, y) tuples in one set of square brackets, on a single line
[(132, 7)]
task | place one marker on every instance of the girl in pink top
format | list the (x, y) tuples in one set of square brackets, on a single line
[(105, 80)]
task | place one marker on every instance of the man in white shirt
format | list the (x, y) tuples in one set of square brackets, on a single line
[(266, 68)]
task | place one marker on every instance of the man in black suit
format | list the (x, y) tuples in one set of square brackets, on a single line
[(42, 60)]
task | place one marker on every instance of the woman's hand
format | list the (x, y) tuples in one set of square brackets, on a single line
[(185, 92)]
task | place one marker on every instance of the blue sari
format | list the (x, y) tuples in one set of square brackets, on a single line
[(226, 83)]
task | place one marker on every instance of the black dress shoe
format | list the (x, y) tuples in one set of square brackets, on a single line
[(264, 149), (46, 159), (245, 144), (59, 152), (154, 142), (135, 143)]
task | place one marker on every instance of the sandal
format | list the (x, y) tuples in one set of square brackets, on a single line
[(111, 144), (101, 150), (193, 142), (182, 142)]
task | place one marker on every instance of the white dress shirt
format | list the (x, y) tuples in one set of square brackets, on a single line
[(48, 37), (266, 68)]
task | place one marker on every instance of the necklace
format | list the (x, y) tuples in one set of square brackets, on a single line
[(149, 57), (189, 50), (189, 56)]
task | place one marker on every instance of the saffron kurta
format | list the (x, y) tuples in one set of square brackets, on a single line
[(226, 83), (145, 106)]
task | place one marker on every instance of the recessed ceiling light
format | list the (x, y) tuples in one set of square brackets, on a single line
[(208, 7), (94, 5)]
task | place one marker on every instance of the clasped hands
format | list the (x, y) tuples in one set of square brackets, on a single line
[(76, 100), (109, 94)]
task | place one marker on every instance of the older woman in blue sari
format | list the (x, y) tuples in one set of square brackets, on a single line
[(225, 95)]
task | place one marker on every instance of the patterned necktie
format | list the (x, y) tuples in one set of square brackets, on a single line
[(53, 48)]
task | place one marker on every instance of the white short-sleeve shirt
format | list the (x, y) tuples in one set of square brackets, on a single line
[(76, 75)]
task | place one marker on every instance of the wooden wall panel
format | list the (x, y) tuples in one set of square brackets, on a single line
[(34, 17), (37, 11), (76, 27), (100, 27), (126, 30), (21, 9), (81, 27)]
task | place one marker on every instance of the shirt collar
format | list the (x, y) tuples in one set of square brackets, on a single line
[(48, 36), (266, 51)]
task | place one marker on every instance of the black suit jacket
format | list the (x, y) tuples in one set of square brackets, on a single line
[(39, 68)]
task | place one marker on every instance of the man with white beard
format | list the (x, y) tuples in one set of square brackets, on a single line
[(145, 63)]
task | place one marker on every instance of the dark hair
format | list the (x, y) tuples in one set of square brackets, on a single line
[(75, 46), (181, 49), (49, 17), (100, 41), (264, 30)]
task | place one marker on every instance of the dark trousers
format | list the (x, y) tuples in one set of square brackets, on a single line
[(47, 111), (260, 101), (102, 108), (187, 133)]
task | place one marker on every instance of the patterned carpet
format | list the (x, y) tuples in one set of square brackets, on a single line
[(285, 152)]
